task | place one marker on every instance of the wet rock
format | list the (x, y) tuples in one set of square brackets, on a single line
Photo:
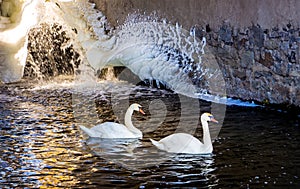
[(246, 59), (240, 74), (266, 59), (292, 57), (274, 33), (284, 46), (257, 36), (271, 44), (225, 34)]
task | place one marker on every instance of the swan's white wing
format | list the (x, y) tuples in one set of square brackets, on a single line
[(111, 130), (88, 131), (181, 143)]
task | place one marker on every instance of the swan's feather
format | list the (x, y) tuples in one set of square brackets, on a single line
[(186, 143), (109, 130), (157, 144), (116, 130), (182, 143), (87, 131)]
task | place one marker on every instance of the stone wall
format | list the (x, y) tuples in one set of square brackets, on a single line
[(256, 42), (259, 63)]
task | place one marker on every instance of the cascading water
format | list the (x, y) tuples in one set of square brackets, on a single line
[(50, 52), (16, 18)]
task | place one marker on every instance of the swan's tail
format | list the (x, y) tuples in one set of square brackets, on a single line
[(87, 131), (157, 144)]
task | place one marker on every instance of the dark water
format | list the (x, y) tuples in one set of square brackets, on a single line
[(42, 146)]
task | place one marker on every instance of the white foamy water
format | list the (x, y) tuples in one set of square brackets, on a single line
[(152, 49), (16, 18)]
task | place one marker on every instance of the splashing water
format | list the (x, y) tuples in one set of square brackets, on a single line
[(158, 51), (153, 50)]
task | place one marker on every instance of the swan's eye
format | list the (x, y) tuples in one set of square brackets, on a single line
[(211, 117)]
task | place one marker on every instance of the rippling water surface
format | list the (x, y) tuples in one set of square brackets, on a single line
[(42, 146)]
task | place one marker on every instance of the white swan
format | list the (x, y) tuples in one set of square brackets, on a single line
[(186, 143), (116, 130)]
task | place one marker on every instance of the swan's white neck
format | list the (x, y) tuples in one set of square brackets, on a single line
[(206, 135), (129, 124)]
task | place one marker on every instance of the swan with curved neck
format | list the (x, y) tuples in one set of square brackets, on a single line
[(116, 130), (186, 143)]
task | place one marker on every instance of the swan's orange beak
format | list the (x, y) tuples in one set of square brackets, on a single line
[(214, 120), (142, 112)]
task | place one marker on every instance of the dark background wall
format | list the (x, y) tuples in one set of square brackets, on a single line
[(256, 42)]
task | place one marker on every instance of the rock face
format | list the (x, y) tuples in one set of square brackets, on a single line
[(256, 43)]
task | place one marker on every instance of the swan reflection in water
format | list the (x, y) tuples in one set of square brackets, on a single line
[(142, 159), (113, 146), (137, 156)]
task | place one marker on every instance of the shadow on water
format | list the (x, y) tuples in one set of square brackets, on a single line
[(42, 146)]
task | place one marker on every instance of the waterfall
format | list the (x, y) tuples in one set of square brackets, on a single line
[(16, 18)]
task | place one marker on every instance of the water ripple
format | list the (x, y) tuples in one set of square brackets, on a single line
[(41, 146)]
